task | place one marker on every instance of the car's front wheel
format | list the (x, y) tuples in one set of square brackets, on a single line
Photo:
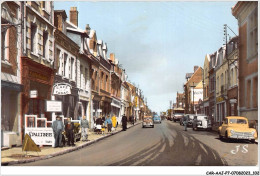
[(226, 136)]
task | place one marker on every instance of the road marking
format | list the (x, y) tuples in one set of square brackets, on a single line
[(143, 154), (198, 161), (186, 140), (214, 155), (203, 148)]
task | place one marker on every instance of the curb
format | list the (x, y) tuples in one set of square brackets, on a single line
[(63, 151)]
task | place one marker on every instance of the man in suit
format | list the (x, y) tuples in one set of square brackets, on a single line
[(69, 127), (124, 122), (58, 128)]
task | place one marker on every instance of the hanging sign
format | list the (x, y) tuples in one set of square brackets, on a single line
[(61, 89)]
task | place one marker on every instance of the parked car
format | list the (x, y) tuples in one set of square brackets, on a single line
[(147, 121), (201, 121), (157, 119), (236, 127)]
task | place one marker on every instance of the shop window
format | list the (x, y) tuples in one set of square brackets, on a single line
[(45, 45), (252, 35), (33, 38)]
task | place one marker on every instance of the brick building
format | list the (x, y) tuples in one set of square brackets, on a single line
[(247, 16)]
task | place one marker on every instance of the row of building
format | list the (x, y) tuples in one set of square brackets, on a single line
[(227, 85), (46, 57)]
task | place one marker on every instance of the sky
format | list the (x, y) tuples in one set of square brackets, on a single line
[(157, 43)]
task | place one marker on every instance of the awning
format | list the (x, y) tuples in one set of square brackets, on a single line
[(10, 82)]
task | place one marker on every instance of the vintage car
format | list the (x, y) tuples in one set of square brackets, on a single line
[(157, 119), (236, 127), (177, 116), (147, 121), (202, 122)]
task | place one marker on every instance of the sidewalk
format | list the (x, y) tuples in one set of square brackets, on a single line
[(15, 155)]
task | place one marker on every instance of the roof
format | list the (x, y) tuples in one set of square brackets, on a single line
[(74, 27), (236, 117)]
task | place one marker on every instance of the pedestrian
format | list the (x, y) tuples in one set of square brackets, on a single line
[(99, 124), (133, 119), (108, 122), (84, 128), (124, 122), (58, 128), (69, 128), (185, 122), (103, 119), (114, 121)]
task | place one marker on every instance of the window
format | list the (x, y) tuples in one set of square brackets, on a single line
[(58, 60), (4, 44), (217, 85), (255, 92), (106, 86), (69, 69), (72, 69), (248, 93), (86, 77), (65, 64), (101, 80), (45, 45), (33, 38), (81, 76), (252, 34), (222, 80)]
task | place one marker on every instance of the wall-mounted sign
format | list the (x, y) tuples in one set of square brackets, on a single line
[(33, 94), (61, 89), (198, 94), (53, 106), (219, 99)]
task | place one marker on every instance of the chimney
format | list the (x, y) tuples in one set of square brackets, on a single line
[(74, 16), (195, 68), (87, 30), (112, 57)]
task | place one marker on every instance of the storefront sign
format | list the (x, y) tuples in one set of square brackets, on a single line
[(36, 75), (219, 99), (41, 136), (33, 94), (53, 106), (61, 89), (198, 94)]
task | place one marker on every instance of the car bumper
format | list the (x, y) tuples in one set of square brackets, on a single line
[(157, 121)]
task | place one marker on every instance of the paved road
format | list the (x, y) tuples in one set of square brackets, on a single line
[(164, 145)]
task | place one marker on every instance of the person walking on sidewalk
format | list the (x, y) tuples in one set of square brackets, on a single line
[(84, 128), (124, 122), (114, 121), (58, 128), (132, 119), (69, 127), (99, 124), (108, 122)]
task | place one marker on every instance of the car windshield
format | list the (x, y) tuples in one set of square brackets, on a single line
[(148, 118), (237, 121)]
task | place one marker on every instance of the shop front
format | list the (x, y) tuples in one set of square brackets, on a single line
[(232, 103), (220, 109), (10, 112), (96, 111), (69, 100), (115, 108), (105, 105), (37, 80)]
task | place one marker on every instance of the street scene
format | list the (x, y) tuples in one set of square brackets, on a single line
[(130, 84)]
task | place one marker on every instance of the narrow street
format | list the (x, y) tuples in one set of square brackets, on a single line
[(167, 144)]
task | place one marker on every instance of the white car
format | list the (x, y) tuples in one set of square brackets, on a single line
[(202, 121)]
